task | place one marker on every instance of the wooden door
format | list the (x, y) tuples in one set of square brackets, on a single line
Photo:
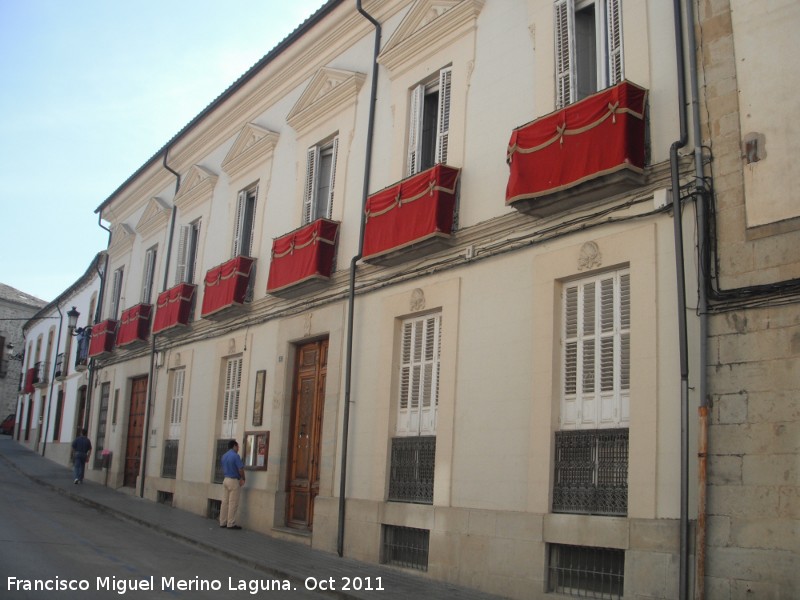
[(133, 450), (305, 433)]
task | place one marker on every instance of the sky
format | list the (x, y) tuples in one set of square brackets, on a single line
[(89, 91)]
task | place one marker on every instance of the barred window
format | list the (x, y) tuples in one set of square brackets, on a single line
[(586, 572)]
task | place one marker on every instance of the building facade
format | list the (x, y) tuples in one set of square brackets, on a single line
[(422, 262), (53, 399), (15, 308)]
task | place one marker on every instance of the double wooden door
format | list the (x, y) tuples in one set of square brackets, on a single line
[(133, 449), (308, 401)]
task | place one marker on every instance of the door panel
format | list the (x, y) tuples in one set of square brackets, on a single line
[(133, 450), (305, 434)]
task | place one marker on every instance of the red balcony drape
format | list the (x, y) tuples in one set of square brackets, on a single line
[(173, 307), (134, 325), (30, 376), (411, 210), (598, 135), (306, 253), (103, 337), (226, 284)]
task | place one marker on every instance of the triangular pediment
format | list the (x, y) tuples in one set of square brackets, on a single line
[(328, 92), (429, 26), (122, 236), (197, 185), (154, 217), (253, 144)]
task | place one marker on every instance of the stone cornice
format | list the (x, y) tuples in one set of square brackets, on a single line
[(429, 26), (330, 91), (254, 144), (154, 217), (197, 186)]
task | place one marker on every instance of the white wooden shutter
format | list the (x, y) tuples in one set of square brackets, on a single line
[(329, 200), (443, 118), (176, 408), (596, 352), (116, 293), (564, 52), (149, 275), (251, 224), (183, 253), (241, 202), (310, 184), (616, 70), (419, 376), (415, 130), (230, 401)]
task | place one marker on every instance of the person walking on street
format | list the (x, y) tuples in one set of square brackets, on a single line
[(81, 449), (233, 470)]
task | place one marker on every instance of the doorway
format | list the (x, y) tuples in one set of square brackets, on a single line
[(133, 449), (308, 400)]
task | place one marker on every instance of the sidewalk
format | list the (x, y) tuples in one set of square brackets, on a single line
[(274, 557)]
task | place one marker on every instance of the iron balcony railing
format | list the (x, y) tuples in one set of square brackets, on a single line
[(411, 469), (591, 472)]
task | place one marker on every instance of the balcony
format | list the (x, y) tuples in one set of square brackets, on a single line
[(303, 259), (227, 288), (134, 326), (585, 152), (412, 218), (41, 378), (174, 308), (104, 334)]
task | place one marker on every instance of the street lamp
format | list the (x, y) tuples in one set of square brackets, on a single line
[(72, 322), (14, 355)]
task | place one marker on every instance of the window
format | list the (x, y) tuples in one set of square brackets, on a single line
[(244, 225), (586, 572), (230, 400), (588, 48), (405, 547), (116, 293), (320, 176), (176, 403), (429, 123), (187, 252), (419, 375), (596, 352), (149, 275), (102, 421)]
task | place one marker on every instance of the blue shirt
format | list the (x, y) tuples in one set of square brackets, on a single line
[(231, 463), (81, 445)]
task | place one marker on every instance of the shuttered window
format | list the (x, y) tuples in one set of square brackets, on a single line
[(429, 123), (149, 275), (596, 352), (187, 252), (245, 222), (230, 400), (419, 375), (588, 47), (116, 293), (176, 403), (319, 182)]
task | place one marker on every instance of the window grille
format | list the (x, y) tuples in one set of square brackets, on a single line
[(411, 471), (213, 508), (586, 572), (59, 370), (165, 497), (405, 547), (591, 472), (169, 465), (222, 448)]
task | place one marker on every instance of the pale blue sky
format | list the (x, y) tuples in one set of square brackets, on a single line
[(89, 91)]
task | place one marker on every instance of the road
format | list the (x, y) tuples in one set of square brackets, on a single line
[(69, 550)]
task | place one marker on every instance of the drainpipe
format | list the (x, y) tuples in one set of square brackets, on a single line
[(52, 381), (702, 308), (681, 291), (152, 368), (351, 298), (96, 319)]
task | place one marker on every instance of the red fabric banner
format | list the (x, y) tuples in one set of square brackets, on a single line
[(411, 210), (173, 307), (226, 284), (134, 326), (600, 134), (103, 337), (305, 253), (30, 375)]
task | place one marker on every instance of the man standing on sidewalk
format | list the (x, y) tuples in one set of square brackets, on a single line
[(233, 470), (81, 448)]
